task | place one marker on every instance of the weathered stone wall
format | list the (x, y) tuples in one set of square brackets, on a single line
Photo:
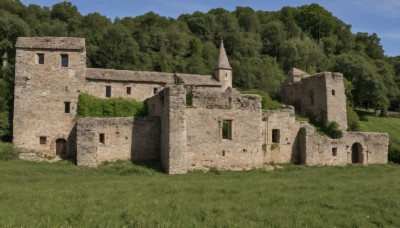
[(40, 93), (316, 149), (124, 139), (205, 146), (313, 98), (336, 99), (285, 150)]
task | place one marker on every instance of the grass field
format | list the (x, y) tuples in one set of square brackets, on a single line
[(126, 195)]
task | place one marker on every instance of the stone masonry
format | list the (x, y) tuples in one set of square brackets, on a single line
[(195, 121)]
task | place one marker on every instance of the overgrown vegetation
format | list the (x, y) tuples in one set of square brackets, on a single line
[(382, 124), (7, 151), (262, 46), (267, 103), (90, 106), (126, 195)]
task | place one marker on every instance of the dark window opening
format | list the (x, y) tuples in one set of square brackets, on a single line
[(155, 90), (128, 90), (223, 153), (67, 107), (42, 140), (312, 98), (64, 60), (101, 138), (292, 93), (276, 135), (40, 58), (333, 92), (334, 151), (227, 129), (108, 91)]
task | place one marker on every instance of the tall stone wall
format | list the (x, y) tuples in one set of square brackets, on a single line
[(352, 147), (313, 98), (206, 147), (124, 139), (41, 91), (285, 148)]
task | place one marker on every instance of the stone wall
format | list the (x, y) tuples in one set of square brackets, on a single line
[(206, 147), (124, 139), (41, 91), (285, 148), (352, 147)]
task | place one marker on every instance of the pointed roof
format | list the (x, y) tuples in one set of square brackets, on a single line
[(222, 62)]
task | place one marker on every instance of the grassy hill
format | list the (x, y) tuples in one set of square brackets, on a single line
[(126, 195)]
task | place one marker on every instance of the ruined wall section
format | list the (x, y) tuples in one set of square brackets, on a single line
[(313, 97), (336, 99), (291, 93), (206, 146), (280, 136), (124, 139), (368, 148), (41, 90)]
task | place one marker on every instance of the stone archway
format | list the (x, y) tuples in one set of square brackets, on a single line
[(356, 153), (61, 147)]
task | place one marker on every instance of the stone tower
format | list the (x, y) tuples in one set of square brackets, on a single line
[(48, 78), (5, 59), (223, 71)]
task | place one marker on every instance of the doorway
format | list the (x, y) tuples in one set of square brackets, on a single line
[(356, 153), (61, 147)]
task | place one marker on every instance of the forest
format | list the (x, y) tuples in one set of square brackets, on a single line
[(262, 47)]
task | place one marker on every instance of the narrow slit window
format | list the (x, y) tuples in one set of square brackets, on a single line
[(227, 129), (40, 58), (333, 92), (108, 91), (128, 90), (67, 107), (334, 151), (64, 60), (312, 99), (42, 140), (276, 135), (102, 138), (155, 90)]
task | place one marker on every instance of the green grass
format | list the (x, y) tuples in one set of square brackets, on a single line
[(125, 195)]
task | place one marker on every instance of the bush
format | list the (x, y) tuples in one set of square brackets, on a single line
[(352, 119), (90, 106), (7, 151), (394, 153), (266, 103)]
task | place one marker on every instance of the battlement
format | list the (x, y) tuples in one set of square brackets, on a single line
[(55, 43)]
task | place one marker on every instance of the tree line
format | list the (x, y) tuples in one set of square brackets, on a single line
[(262, 47)]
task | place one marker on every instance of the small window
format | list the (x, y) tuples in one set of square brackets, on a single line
[(64, 60), (42, 140), (276, 135), (101, 138), (333, 92), (227, 129), (292, 93), (311, 99), (128, 90), (40, 58), (334, 151), (155, 90), (108, 91), (67, 107)]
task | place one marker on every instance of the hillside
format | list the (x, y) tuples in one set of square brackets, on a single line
[(262, 46)]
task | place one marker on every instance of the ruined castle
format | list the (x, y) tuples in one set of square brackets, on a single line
[(219, 128)]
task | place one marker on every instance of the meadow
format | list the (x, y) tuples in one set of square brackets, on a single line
[(138, 195)]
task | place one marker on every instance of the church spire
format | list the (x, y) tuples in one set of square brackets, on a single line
[(222, 62)]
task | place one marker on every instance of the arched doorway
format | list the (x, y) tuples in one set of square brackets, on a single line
[(356, 153), (61, 147)]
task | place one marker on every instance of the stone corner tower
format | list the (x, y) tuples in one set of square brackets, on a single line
[(223, 71)]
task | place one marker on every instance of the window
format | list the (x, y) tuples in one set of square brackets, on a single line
[(276, 135), (40, 58), (67, 107), (334, 151), (312, 99), (101, 138), (108, 91), (128, 90), (333, 92), (64, 60), (227, 129), (42, 140), (155, 90)]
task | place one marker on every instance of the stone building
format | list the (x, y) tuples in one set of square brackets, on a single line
[(193, 122)]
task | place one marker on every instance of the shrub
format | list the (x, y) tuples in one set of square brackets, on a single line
[(394, 153), (90, 106), (267, 102), (7, 151), (352, 119)]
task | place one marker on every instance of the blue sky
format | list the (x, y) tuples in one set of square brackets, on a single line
[(379, 16)]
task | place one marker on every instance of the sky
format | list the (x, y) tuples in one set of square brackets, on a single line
[(373, 16)]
